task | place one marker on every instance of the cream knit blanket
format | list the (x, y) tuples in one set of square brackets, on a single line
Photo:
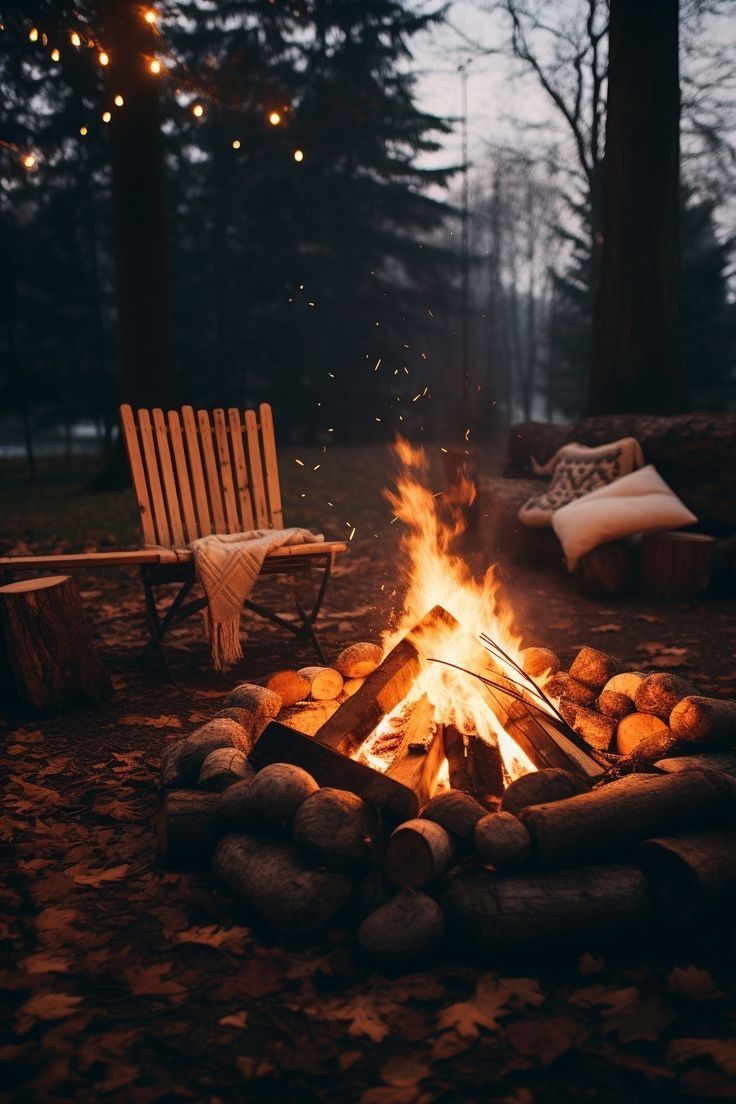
[(228, 566)]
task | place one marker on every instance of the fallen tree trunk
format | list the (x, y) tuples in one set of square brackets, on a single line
[(692, 878)]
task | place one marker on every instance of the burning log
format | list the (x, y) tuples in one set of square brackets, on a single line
[(698, 720), (417, 761), (593, 668), (475, 766), (646, 731), (659, 694), (502, 841), (417, 853), (488, 915), (405, 930), (270, 802), (188, 826), (609, 820), (693, 878), (457, 812), (271, 881), (545, 740), (540, 787), (290, 686), (260, 703), (537, 661), (336, 829), (222, 768), (358, 660), (324, 683)]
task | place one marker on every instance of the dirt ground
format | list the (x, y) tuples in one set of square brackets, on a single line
[(123, 981)]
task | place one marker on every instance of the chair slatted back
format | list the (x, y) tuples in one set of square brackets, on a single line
[(201, 472)]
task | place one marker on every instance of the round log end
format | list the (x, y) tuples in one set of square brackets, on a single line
[(359, 660), (540, 787), (456, 811), (335, 828), (502, 841), (407, 929), (417, 853)]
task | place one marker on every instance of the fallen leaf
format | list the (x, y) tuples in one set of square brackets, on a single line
[(152, 980), (544, 1041), (691, 982), (236, 1019), (49, 1006), (252, 1068), (214, 935), (95, 878), (721, 1051), (137, 720), (405, 1069)]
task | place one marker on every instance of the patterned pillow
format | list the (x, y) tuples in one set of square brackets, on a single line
[(578, 470)]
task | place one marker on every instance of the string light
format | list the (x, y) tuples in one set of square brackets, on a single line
[(236, 143), (33, 34), (75, 39), (198, 110), (298, 155), (104, 58), (119, 101), (150, 16), (55, 55), (83, 131), (106, 116), (274, 118), (29, 161), (155, 66)]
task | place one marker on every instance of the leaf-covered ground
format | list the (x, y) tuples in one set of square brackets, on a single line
[(122, 981)]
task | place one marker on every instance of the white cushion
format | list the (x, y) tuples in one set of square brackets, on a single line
[(637, 503)]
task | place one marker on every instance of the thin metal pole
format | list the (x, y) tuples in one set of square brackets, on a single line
[(465, 248)]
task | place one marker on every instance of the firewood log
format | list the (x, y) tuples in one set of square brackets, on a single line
[(628, 682), (659, 694), (502, 841), (406, 930), (417, 853), (325, 683), (607, 821), (693, 878), (593, 668), (234, 807), (222, 768), (660, 742), (487, 915), (188, 826), (474, 765), (169, 776), (273, 884), (186, 757), (261, 704), (235, 713), (638, 728), (289, 685), (308, 717), (457, 812), (538, 661), (270, 802), (336, 829), (359, 660), (596, 729), (723, 761), (351, 686), (708, 721), (538, 787), (615, 705), (568, 689), (371, 892)]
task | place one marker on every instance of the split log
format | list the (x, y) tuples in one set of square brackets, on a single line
[(290, 686), (708, 721), (487, 915), (308, 717), (615, 705), (359, 660), (722, 761), (49, 646), (642, 728), (185, 758), (404, 931), (336, 829), (270, 802), (538, 661), (457, 812), (324, 683), (475, 766), (417, 853), (569, 689), (593, 668), (539, 787), (502, 841), (271, 881), (545, 740), (383, 689), (609, 820), (188, 826), (675, 567), (692, 878), (628, 682), (660, 693), (260, 703), (417, 762), (597, 730), (222, 768), (607, 571)]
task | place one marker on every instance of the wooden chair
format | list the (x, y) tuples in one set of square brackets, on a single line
[(196, 473)]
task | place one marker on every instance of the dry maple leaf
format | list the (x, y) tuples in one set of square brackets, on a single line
[(95, 878), (53, 920), (721, 1051), (235, 1019), (152, 981), (628, 1013), (45, 1006), (137, 720), (214, 935), (363, 1015), (45, 963), (544, 1041), (689, 981)]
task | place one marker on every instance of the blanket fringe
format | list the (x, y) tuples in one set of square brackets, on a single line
[(225, 643)]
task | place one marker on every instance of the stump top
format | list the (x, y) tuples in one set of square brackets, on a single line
[(25, 586)]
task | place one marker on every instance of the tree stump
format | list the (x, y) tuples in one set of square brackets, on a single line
[(49, 645), (674, 567), (607, 571)]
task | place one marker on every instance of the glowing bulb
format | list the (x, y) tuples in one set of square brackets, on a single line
[(119, 101), (75, 39), (104, 58), (274, 118), (198, 110), (106, 117), (298, 155), (150, 16), (33, 34), (55, 55), (155, 66), (236, 144), (29, 160), (83, 131)]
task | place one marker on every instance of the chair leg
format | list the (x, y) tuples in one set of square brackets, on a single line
[(308, 631), (155, 628)]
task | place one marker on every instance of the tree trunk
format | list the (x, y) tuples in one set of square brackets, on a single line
[(636, 347)]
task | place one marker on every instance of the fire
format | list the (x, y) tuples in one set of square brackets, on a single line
[(437, 575)]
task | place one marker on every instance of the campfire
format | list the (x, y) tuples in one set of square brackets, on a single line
[(451, 780)]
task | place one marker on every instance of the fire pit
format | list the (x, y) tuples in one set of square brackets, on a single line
[(451, 783)]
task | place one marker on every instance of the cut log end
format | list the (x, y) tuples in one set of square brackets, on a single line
[(502, 841), (417, 853)]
